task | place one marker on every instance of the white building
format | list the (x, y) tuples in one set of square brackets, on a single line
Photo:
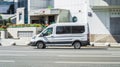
[(103, 16), (105, 20), (47, 11)]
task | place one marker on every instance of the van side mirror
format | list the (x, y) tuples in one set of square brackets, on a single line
[(41, 35), (45, 34)]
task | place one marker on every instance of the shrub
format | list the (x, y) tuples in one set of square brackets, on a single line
[(2, 28), (25, 25)]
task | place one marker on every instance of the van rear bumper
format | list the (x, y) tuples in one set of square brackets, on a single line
[(85, 43)]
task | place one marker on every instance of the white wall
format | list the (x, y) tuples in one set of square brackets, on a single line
[(99, 21), (14, 31), (105, 2), (77, 8), (99, 3), (20, 11)]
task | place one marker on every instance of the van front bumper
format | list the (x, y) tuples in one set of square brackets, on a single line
[(32, 43)]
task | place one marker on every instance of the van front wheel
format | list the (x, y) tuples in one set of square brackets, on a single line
[(77, 45), (40, 45)]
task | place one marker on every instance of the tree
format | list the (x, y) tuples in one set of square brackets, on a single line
[(1, 20), (0, 16), (9, 20)]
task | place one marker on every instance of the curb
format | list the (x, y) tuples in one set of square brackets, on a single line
[(105, 44)]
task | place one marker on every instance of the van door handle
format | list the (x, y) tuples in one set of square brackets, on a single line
[(52, 36)]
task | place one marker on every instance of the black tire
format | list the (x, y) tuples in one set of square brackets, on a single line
[(77, 45), (40, 45)]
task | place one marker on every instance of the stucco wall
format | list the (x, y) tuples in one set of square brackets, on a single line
[(20, 16), (3, 34), (14, 31), (100, 27), (105, 2), (77, 8), (99, 22)]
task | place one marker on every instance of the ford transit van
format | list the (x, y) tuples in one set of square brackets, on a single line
[(62, 34)]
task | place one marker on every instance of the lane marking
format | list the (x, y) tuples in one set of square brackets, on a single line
[(71, 52), (29, 51), (7, 61), (92, 56), (17, 55), (64, 51), (72, 62)]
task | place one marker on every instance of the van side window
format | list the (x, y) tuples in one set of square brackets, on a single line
[(78, 29), (63, 30), (48, 32)]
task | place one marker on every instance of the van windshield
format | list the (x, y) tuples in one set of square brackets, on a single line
[(48, 31)]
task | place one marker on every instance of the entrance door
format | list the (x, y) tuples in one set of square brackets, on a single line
[(51, 19), (42, 20), (35, 21), (115, 25)]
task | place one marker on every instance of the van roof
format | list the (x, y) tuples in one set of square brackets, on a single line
[(68, 24)]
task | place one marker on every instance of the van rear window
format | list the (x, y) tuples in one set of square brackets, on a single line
[(78, 29), (63, 30), (70, 29)]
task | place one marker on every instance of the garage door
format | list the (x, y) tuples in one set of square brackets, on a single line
[(25, 33), (115, 25)]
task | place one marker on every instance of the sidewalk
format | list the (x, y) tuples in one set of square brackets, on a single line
[(13, 42), (105, 44), (25, 42)]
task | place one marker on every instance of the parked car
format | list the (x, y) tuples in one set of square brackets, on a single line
[(63, 34)]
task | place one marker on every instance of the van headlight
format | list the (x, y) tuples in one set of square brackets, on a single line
[(33, 37)]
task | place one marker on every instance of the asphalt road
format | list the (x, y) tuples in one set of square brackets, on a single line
[(17, 56)]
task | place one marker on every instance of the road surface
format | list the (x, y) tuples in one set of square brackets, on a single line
[(17, 56)]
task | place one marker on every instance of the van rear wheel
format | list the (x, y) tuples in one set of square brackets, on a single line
[(40, 45), (77, 45)]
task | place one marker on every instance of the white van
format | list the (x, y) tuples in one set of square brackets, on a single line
[(62, 34)]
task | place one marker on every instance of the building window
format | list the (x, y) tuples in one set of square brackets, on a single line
[(115, 11), (74, 19), (89, 14), (20, 16), (21, 3)]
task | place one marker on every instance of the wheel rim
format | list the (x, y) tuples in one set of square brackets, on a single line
[(77, 45), (40, 45)]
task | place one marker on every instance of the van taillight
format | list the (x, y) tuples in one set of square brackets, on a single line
[(88, 37)]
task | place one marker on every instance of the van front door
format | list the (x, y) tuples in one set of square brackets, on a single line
[(48, 36)]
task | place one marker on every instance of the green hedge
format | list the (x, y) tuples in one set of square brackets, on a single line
[(26, 25), (2, 29)]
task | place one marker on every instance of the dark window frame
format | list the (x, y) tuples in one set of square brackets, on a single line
[(65, 30), (79, 30)]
